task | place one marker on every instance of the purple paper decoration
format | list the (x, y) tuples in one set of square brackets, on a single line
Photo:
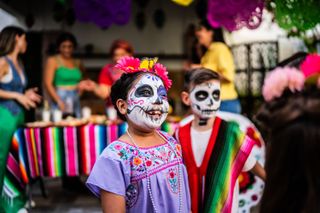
[(235, 14), (103, 12)]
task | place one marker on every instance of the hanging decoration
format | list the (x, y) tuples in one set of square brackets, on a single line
[(183, 2), (70, 18), (29, 20), (103, 13), (298, 15), (141, 18), (58, 11), (159, 18), (63, 13), (235, 14), (201, 8)]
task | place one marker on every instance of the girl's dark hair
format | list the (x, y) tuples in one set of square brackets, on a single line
[(198, 76), (120, 89), (292, 124), (217, 32), (8, 39), (65, 36)]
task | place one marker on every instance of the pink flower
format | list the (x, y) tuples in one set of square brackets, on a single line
[(311, 65), (128, 64), (118, 147), (162, 72), (131, 65), (280, 79)]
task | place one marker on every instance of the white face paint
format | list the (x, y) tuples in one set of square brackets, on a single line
[(148, 102), (205, 99)]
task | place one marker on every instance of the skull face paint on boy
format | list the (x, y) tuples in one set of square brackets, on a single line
[(205, 99), (148, 102)]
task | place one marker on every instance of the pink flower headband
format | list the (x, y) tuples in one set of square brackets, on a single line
[(311, 69), (280, 79), (132, 65)]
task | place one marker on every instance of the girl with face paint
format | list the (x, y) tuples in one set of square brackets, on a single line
[(215, 151), (142, 171)]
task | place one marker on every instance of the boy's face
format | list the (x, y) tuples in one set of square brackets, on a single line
[(147, 102), (205, 99)]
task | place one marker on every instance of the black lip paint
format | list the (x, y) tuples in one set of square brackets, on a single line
[(203, 121)]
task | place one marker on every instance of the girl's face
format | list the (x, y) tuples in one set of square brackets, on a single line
[(148, 102), (205, 99), (66, 49), (119, 53), (21, 43), (204, 36)]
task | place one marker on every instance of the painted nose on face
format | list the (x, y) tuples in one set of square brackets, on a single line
[(210, 102), (158, 100)]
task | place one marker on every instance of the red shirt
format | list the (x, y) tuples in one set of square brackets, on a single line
[(108, 75)]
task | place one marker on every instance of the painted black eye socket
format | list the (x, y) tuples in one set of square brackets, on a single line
[(201, 95), (144, 91), (162, 92), (216, 95)]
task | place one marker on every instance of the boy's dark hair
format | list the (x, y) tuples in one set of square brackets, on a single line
[(198, 76), (120, 89)]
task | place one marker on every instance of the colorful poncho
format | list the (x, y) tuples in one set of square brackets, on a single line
[(212, 184)]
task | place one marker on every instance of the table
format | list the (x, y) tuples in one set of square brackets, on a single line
[(58, 151), (72, 151)]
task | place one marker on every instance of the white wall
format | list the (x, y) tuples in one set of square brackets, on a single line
[(150, 40)]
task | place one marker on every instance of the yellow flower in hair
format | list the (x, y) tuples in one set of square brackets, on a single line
[(148, 63)]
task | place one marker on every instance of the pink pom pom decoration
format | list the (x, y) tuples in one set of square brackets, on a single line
[(280, 79)]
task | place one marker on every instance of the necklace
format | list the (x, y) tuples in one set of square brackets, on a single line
[(148, 176)]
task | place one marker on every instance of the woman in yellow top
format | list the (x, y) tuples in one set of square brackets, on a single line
[(218, 57)]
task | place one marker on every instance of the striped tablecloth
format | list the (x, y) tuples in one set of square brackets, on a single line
[(58, 151)]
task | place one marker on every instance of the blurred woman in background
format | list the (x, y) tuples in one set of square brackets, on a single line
[(109, 74), (63, 73), (13, 100), (219, 58)]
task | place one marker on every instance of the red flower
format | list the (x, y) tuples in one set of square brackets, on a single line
[(149, 163), (172, 174)]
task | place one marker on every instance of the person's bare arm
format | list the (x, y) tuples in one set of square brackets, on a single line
[(23, 99), (4, 67), (102, 91), (50, 69), (259, 171), (112, 203)]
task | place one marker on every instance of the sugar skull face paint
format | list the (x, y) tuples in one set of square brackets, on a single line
[(147, 102), (205, 99)]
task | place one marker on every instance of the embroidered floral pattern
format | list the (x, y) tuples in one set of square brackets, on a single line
[(132, 193), (172, 179), (155, 158)]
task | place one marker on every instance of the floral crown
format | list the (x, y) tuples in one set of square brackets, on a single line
[(293, 79), (132, 65)]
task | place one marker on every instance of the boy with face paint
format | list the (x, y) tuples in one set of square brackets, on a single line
[(142, 171), (215, 151)]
